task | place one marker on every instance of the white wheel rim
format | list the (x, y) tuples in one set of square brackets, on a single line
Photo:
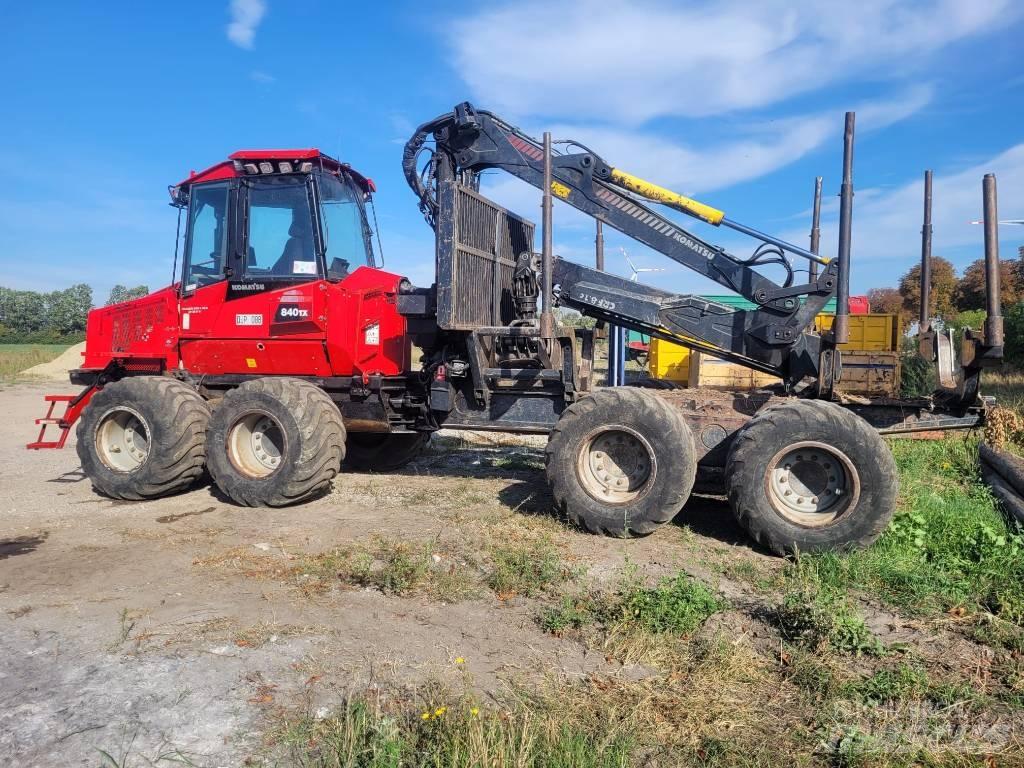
[(122, 439), (811, 484), (256, 444), (616, 464)]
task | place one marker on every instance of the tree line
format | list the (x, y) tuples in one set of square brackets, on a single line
[(32, 317), (958, 301), (951, 295)]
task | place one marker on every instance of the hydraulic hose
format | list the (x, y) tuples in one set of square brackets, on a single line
[(409, 156)]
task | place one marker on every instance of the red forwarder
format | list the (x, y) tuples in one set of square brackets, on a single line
[(284, 349), (258, 297)]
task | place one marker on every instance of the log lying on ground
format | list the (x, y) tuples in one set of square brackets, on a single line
[(1004, 474), (1009, 467)]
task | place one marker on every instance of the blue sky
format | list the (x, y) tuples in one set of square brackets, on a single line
[(740, 104)]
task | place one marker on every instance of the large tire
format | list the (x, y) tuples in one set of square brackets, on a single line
[(383, 452), (810, 476), (143, 437), (275, 441), (620, 462)]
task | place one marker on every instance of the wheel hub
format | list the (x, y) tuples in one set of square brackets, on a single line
[(122, 439), (616, 465), (255, 444), (810, 483)]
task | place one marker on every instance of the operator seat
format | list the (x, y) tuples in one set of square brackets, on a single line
[(298, 248)]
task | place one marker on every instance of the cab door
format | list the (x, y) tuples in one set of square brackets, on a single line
[(205, 267)]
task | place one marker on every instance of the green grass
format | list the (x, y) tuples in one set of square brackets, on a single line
[(15, 358), (906, 682), (526, 567), (815, 614), (394, 567), (369, 733), (676, 605)]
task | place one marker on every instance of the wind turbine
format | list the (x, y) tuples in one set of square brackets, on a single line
[(637, 270)]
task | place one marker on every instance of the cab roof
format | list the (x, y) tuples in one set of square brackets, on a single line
[(235, 165)]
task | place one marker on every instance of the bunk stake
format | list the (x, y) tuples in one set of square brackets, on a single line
[(812, 270), (547, 319), (924, 318), (993, 308), (842, 321)]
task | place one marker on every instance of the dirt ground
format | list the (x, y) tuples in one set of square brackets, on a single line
[(140, 630)]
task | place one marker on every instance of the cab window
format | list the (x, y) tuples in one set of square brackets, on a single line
[(346, 233), (281, 242), (207, 235)]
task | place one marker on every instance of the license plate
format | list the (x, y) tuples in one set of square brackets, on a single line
[(248, 319)]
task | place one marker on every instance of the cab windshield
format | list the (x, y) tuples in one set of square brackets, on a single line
[(346, 233)]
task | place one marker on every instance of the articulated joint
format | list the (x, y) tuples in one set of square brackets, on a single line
[(666, 197)]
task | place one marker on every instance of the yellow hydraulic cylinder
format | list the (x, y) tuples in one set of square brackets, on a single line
[(667, 197)]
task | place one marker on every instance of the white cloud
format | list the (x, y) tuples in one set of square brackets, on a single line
[(246, 16), (259, 76), (633, 62)]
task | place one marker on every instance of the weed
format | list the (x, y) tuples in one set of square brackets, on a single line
[(571, 613), (127, 621), (526, 567), (391, 566), (900, 683), (635, 623), (678, 605), (813, 615), (372, 732), (810, 671)]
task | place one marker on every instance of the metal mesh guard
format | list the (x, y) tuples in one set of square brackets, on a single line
[(487, 239)]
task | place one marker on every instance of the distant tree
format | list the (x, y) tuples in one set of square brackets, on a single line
[(68, 309), (944, 284), (970, 290), (888, 301), (119, 294), (573, 319), (23, 311)]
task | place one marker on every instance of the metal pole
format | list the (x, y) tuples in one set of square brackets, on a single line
[(613, 356), (993, 308), (547, 319), (924, 316), (812, 271), (842, 322), (599, 248)]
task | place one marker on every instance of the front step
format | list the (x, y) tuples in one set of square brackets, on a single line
[(62, 422)]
